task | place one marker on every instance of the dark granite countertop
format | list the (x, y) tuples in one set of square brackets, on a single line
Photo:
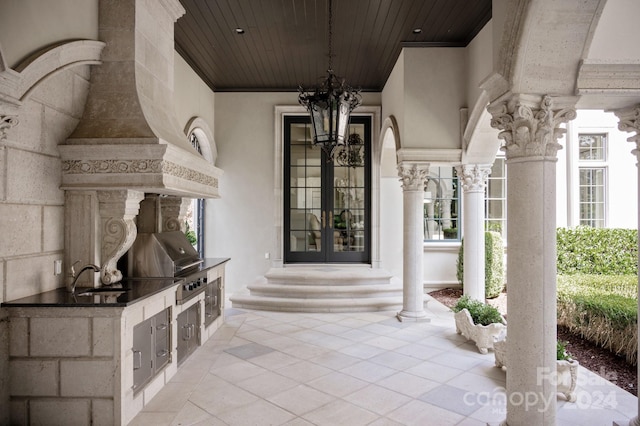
[(124, 293)]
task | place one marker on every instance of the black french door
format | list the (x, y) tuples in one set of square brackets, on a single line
[(327, 202)]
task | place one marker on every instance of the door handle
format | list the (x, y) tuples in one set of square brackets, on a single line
[(137, 356), (330, 219), (324, 220), (162, 353)]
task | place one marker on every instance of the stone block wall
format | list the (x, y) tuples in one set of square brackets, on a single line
[(31, 201), (62, 365)]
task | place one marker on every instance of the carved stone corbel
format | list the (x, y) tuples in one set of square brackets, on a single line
[(173, 211), (117, 212), (7, 122)]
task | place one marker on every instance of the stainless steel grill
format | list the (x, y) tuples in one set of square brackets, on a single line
[(169, 254)]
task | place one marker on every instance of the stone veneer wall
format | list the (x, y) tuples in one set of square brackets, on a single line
[(31, 201), (65, 365)]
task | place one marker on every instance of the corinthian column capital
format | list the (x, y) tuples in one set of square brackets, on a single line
[(630, 122), (530, 125), (413, 175), (473, 177)]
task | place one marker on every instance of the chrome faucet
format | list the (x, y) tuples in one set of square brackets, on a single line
[(75, 277)]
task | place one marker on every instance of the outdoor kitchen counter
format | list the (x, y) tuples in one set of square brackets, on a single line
[(73, 359), (137, 289)]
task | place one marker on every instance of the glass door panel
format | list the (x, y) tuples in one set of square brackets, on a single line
[(327, 210)]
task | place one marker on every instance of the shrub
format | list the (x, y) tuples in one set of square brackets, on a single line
[(562, 354), (602, 309), (481, 313), (493, 264), (597, 251), (191, 234)]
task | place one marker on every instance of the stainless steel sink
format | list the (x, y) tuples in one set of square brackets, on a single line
[(103, 291)]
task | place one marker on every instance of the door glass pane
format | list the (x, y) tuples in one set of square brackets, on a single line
[(348, 194), (305, 202)]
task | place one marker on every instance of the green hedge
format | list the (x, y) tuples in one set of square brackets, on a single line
[(602, 309), (494, 278), (597, 251)]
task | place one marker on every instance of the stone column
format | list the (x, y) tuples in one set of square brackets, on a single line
[(473, 178), (413, 177), (529, 125), (630, 122)]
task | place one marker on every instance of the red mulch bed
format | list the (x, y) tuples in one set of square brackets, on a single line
[(599, 360)]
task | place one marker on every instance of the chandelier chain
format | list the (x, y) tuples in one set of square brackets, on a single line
[(330, 35)]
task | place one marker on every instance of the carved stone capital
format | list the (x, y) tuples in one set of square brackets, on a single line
[(630, 122), (413, 176), (173, 211), (7, 122), (473, 177), (529, 126), (117, 212)]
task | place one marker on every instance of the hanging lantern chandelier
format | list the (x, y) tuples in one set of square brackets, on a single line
[(329, 107)]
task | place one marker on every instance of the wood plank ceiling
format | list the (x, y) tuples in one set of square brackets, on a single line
[(285, 42)]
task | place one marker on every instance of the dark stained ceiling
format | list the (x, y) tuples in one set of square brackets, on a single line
[(285, 42)]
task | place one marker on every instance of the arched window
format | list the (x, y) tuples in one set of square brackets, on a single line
[(201, 139)]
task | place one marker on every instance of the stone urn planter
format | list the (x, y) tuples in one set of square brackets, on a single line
[(566, 376), (484, 336)]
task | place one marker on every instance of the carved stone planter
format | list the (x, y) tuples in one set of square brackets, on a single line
[(566, 377), (484, 336)]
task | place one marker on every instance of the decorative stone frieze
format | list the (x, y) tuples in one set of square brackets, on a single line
[(413, 176), (111, 166), (7, 122), (529, 125), (473, 177), (117, 211), (173, 211)]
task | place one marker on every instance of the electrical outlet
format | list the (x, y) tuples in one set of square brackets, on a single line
[(267, 255), (57, 267)]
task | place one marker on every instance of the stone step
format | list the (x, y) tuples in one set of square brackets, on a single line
[(309, 291), (328, 275), (286, 304), (323, 288)]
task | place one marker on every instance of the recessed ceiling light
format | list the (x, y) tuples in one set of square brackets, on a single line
[(239, 30), (417, 30)]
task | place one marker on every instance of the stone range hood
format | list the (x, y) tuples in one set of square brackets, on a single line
[(129, 137)]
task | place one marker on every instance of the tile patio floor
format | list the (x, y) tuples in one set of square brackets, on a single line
[(275, 368)]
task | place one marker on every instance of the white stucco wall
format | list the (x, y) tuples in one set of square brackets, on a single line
[(435, 90), (479, 64), (393, 95), (192, 97), (617, 34), (27, 26)]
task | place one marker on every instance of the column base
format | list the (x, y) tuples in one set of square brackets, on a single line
[(407, 316)]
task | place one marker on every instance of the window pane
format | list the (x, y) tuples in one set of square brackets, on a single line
[(592, 196), (440, 205), (592, 146), (496, 198)]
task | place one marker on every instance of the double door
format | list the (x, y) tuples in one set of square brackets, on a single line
[(327, 200)]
